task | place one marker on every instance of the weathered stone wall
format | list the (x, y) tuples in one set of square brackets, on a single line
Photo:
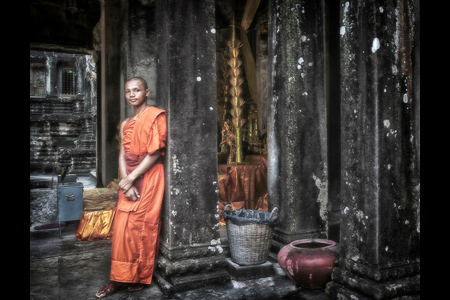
[(43, 206), (297, 127), (190, 238), (61, 125), (65, 23), (139, 47), (380, 174)]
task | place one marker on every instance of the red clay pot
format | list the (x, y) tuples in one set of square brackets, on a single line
[(309, 262)]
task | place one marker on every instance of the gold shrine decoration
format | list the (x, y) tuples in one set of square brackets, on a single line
[(227, 134), (236, 100), (225, 92)]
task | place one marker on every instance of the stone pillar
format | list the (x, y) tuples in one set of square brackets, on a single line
[(110, 92), (333, 96), (139, 47), (190, 250), (297, 131), (80, 67), (52, 76), (380, 183), (262, 76)]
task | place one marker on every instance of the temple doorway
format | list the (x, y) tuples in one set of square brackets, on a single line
[(242, 76)]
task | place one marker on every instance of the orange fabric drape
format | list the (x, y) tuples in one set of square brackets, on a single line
[(135, 242), (243, 182)]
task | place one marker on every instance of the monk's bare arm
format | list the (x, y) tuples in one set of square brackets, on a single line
[(122, 162), (131, 192), (143, 167)]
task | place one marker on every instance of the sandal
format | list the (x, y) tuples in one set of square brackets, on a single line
[(133, 287), (110, 289)]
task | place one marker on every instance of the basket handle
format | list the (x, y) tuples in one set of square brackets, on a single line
[(273, 211), (228, 205)]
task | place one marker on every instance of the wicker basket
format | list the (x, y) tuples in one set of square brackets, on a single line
[(249, 243)]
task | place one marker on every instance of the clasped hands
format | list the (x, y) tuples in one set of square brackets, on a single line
[(128, 189)]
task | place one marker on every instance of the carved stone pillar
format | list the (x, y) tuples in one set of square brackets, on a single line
[(190, 250), (109, 106), (297, 131), (380, 181), (262, 76), (139, 52), (52, 76)]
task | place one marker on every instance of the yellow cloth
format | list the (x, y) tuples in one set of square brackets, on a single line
[(96, 225), (98, 216)]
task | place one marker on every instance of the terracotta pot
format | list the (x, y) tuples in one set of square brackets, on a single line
[(309, 262)]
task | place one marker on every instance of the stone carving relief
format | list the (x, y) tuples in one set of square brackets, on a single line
[(37, 80)]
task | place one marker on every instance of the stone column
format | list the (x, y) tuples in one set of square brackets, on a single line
[(139, 46), (297, 131), (262, 76), (52, 76), (108, 163), (190, 250), (380, 183), (80, 69)]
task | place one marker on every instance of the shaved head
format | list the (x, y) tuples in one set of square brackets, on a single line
[(143, 82)]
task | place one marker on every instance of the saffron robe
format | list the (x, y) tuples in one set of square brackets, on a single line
[(135, 240)]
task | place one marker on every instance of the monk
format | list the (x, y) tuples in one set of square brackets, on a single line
[(135, 240)]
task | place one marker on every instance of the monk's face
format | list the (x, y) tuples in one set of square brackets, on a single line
[(135, 93)]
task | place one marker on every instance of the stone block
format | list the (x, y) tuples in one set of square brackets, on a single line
[(39, 183), (240, 273), (190, 281), (350, 285), (43, 206)]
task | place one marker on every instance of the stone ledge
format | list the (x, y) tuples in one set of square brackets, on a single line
[(169, 268), (240, 273), (382, 273), (188, 282), (284, 237), (346, 283)]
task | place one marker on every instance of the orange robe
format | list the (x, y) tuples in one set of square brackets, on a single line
[(135, 241)]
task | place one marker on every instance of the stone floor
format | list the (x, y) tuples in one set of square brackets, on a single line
[(63, 268)]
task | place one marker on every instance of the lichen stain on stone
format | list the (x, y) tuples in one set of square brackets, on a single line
[(375, 45), (360, 215), (215, 242), (322, 198), (404, 41), (176, 166), (417, 191)]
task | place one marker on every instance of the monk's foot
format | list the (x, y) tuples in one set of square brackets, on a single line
[(133, 287), (110, 289)]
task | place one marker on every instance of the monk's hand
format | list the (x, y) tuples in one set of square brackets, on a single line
[(125, 184), (132, 194)]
